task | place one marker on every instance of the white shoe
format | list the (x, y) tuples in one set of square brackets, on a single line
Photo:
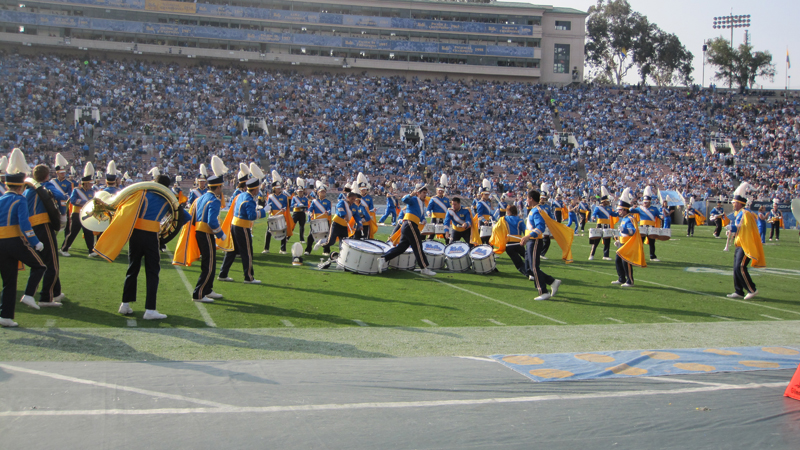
[(203, 300), (8, 323), (428, 272), (306, 253), (616, 282), (543, 297), (125, 309), (30, 301), (655, 260), (381, 264), (543, 257), (64, 254), (770, 239), (214, 295), (554, 288), (253, 282), (59, 297), (225, 279), (734, 295), (264, 251), (152, 314), (92, 255), (53, 304), (591, 258), (282, 252), (606, 258), (326, 254), (626, 285), (751, 295)]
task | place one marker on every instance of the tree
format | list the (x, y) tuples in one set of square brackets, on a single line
[(619, 38), (739, 66)]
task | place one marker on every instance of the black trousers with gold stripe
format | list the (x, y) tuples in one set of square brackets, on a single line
[(533, 251), (51, 283), (337, 231), (12, 251), (409, 237), (142, 245), (624, 271), (243, 247), (208, 264), (73, 228), (741, 275)]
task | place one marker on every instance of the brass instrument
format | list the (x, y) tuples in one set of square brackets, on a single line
[(97, 214)]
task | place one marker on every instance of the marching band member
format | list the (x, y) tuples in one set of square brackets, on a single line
[(648, 216), (300, 206), (111, 178), (205, 217), (361, 211), (457, 223), (41, 219), (17, 241), (200, 185), (573, 214), (775, 218), (369, 206), (630, 251), (690, 214), (137, 222), (556, 207), (391, 206), (483, 213), (666, 213), (717, 216), (320, 209), (246, 213), (543, 197), (64, 187), (502, 207), (583, 210), (278, 203), (749, 250), (762, 223), (176, 189), (439, 204), (79, 197), (409, 232), (513, 227), (345, 212), (605, 219), (535, 226)]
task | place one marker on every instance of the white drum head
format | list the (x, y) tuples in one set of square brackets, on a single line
[(433, 248), (456, 250), (480, 252), (363, 246)]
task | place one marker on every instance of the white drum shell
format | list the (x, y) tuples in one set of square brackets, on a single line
[(455, 259), (482, 264), (429, 228), (595, 233), (608, 232), (277, 226), (666, 234), (439, 228), (406, 261), (360, 258), (434, 253), (486, 231), (319, 228)]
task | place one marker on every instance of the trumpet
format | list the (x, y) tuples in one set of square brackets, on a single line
[(97, 214)]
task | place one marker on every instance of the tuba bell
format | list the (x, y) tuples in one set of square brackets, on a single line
[(97, 214)]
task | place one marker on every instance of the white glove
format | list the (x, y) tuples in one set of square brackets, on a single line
[(224, 236), (39, 247), (617, 244)]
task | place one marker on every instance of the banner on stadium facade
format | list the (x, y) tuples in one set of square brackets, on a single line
[(167, 6)]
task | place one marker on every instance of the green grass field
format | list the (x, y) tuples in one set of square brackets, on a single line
[(688, 285)]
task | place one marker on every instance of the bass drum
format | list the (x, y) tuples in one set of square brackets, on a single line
[(360, 257), (405, 261), (456, 256), (434, 251), (482, 258), (319, 229), (277, 226)]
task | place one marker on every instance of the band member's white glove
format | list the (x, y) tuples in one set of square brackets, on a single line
[(39, 247), (224, 236), (63, 220), (617, 244)]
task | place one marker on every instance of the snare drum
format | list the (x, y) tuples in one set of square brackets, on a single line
[(385, 247), (486, 231), (456, 256), (277, 226), (666, 234), (434, 251), (595, 233), (654, 233), (608, 233), (644, 230), (360, 256), (319, 229), (482, 258), (439, 228), (429, 228), (405, 261)]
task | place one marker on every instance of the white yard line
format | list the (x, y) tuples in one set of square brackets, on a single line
[(680, 380), (286, 323), (614, 320), (496, 322), (694, 292), (670, 318), (131, 322), (201, 307), (393, 405), (494, 300), (430, 323), (360, 323), (50, 323), (721, 317), (769, 317), (112, 386)]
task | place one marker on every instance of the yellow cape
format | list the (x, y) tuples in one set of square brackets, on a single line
[(748, 238), (475, 230), (562, 234), (227, 244), (499, 238), (186, 250), (632, 250), (699, 218), (119, 230)]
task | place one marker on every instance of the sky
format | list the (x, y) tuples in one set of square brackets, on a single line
[(773, 28)]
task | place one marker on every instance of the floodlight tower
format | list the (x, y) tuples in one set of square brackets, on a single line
[(730, 22)]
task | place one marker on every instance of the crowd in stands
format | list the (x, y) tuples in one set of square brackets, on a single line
[(332, 126)]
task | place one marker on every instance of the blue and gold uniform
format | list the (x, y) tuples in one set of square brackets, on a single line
[(277, 204), (627, 230), (775, 219), (299, 208), (516, 230), (556, 208), (319, 209), (341, 220), (409, 231), (246, 212), (195, 194), (583, 211), (718, 213), (483, 214), (78, 198), (691, 220), (391, 210), (458, 223), (535, 226), (17, 243), (437, 207), (648, 216), (40, 221), (207, 226), (603, 215)]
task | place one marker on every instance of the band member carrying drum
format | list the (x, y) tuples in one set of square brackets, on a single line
[(409, 232), (457, 223)]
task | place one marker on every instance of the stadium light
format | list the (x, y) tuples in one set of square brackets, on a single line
[(730, 22)]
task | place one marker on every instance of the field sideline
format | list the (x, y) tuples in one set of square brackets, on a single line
[(686, 289)]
